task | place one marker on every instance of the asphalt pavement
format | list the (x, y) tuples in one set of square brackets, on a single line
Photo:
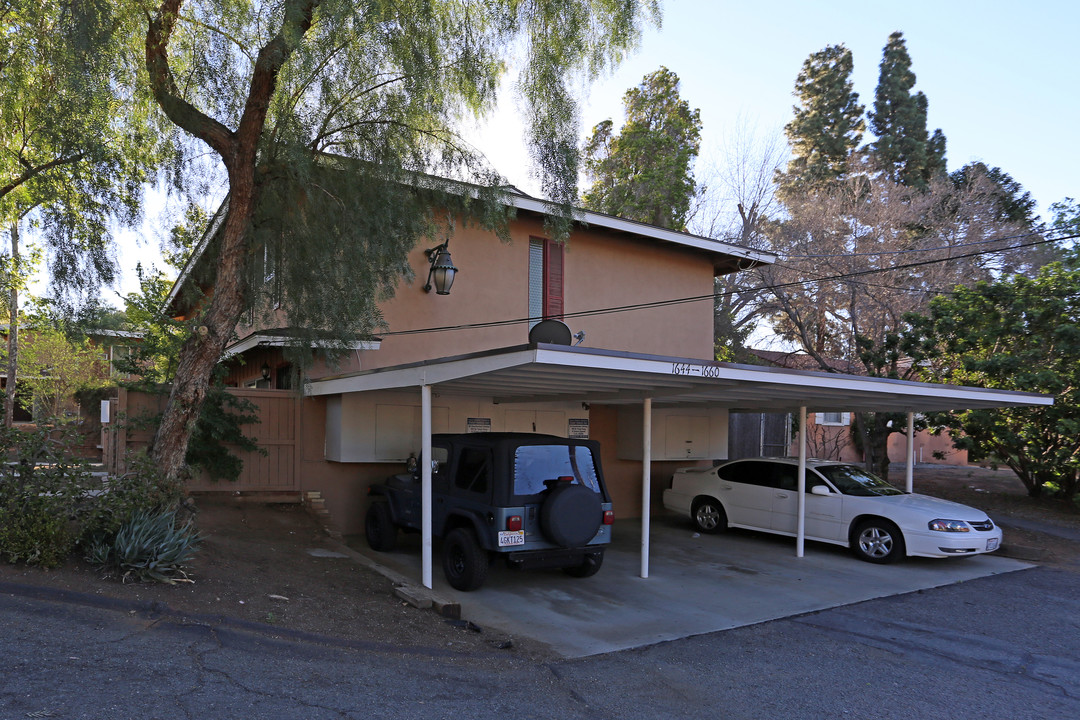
[(1004, 646)]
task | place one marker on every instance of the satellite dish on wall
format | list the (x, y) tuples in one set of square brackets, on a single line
[(554, 332)]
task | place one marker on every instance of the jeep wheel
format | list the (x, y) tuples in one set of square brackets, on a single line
[(379, 527), (588, 567), (571, 515), (465, 563)]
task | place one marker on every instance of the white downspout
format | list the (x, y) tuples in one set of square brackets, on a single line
[(646, 498), (425, 482), (800, 534)]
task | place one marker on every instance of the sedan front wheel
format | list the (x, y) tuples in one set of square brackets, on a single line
[(878, 541)]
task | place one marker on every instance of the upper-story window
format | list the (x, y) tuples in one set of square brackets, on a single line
[(546, 261)]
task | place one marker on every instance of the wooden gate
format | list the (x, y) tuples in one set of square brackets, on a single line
[(276, 434)]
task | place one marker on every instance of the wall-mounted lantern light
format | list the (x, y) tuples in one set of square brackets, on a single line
[(442, 270), (265, 371)]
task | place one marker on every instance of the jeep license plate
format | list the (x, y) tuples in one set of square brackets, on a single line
[(508, 538), (992, 544)]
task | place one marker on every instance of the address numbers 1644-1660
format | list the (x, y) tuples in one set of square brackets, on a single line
[(705, 371)]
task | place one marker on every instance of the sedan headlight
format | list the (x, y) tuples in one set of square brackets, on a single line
[(949, 526)]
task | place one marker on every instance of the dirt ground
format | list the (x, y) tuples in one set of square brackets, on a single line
[(274, 564)]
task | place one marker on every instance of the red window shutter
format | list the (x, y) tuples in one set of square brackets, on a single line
[(553, 280)]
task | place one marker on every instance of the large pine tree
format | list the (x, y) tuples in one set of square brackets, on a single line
[(903, 149), (828, 122), (645, 172)]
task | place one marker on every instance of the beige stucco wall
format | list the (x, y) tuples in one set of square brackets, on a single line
[(602, 271)]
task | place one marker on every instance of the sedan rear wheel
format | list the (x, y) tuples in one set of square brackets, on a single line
[(708, 515), (878, 541)]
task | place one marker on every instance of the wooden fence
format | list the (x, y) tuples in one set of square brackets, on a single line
[(131, 428)]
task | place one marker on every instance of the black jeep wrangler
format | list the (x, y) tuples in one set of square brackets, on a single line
[(537, 500)]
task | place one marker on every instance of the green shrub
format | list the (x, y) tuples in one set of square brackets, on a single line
[(35, 533), (115, 501), (50, 502), (41, 489), (149, 546)]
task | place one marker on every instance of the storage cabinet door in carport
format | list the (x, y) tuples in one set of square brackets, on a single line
[(687, 437)]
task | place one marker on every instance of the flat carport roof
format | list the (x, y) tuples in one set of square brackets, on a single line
[(541, 373)]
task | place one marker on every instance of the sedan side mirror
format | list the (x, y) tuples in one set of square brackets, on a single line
[(820, 490)]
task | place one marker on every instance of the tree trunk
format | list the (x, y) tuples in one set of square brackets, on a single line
[(204, 347), (238, 151), (13, 331)]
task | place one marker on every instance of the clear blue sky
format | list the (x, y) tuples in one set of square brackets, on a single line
[(1001, 77)]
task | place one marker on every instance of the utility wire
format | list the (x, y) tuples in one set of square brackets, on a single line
[(713, 296), (919, 250)]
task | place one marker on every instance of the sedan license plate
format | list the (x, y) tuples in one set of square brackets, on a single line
[(992, 544), (508, 538)]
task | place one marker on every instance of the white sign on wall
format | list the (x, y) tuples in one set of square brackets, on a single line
[(477, 425), (578, 428)]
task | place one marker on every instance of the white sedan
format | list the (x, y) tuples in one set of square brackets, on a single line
[(845, 505)]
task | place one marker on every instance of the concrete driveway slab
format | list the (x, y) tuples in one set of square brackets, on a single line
[(697, 584)]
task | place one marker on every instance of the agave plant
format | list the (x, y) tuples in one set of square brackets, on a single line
[(152, 546)]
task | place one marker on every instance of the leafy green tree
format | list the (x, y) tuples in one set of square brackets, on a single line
[(828, 122), (1066, 216), (15, 269), (1018, 333), (645, 172), (153, 360), (903, 150), (77, 145), (77, 142), (55, 368), (273, 88)]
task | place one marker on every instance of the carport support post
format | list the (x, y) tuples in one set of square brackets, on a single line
[(910, 472), (800, 533), (425, 482), (646, 490)]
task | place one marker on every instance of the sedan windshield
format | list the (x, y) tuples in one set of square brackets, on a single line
[(852, 480)]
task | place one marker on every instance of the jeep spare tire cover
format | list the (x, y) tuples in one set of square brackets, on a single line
[(570, 515)]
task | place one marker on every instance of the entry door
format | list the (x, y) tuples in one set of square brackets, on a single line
[(823, 512)]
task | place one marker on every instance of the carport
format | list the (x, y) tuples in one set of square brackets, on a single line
[(542, 373)]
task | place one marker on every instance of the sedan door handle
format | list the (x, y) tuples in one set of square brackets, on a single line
[(781, 495)]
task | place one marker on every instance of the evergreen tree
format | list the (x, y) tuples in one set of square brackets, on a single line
[(645, 172), (903, 149), (828, 122)]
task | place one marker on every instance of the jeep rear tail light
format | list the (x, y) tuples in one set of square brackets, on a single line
[(513, 522), (609, 517), (566, 478)]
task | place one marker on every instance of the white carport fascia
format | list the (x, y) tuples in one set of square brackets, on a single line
[(556, 372)]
